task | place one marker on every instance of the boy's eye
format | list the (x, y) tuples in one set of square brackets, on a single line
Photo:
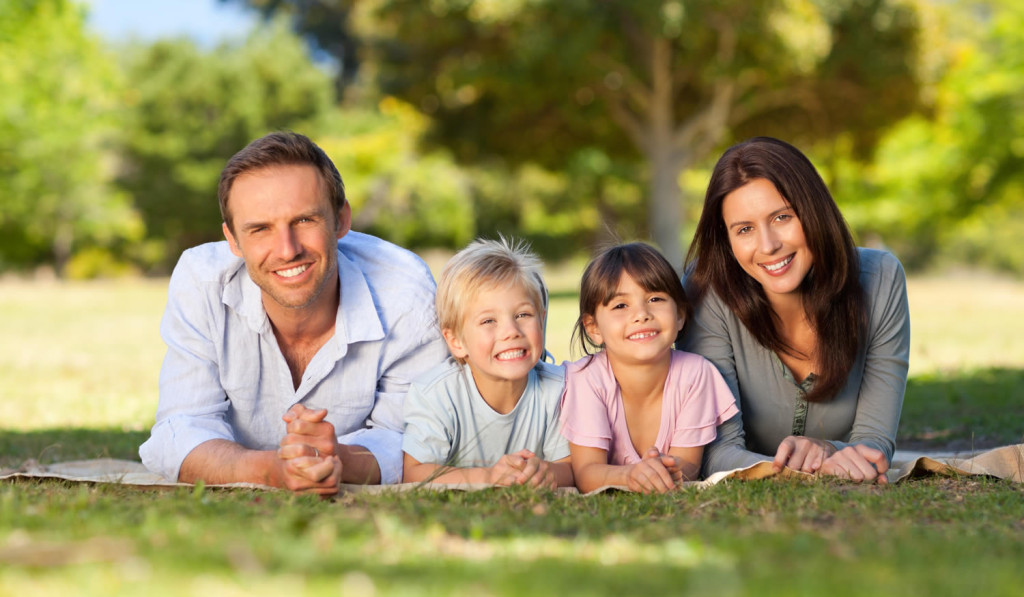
[(523, 314), (619, 306), (486, 321), (655, 299)]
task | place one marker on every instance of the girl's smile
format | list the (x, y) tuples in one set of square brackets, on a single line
[(636, 325)]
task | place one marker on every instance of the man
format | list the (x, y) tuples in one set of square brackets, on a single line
[(290, 347)]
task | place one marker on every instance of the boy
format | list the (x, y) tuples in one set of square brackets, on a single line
[(490, 413)]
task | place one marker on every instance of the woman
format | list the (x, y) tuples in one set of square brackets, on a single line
[(811, 333)]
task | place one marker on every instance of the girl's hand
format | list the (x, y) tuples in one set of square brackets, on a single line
[(802, 454), (650, 474), (858, 463), (672, 464)]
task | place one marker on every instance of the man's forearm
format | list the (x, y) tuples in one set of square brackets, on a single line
[(220, 461)]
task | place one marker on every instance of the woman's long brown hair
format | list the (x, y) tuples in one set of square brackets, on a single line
[(832, 295)]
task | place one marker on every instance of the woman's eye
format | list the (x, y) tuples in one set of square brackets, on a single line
[(744, 230)]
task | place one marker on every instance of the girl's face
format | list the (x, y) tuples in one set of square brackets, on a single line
[(636, 326), (767, 238)]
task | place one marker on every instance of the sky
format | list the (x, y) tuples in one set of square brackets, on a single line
[(205, 21)]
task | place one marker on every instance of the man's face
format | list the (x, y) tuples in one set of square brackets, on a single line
[(286, 232)]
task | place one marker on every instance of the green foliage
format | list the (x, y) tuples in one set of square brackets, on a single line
[(190, 109), (950, 189), (657, 86), (58, 130)]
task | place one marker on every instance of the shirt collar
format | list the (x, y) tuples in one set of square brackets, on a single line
[(357, 321)]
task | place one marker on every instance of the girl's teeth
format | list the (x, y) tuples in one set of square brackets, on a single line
[(643, 335)]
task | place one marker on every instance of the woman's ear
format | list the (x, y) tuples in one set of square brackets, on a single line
[(454, 343)]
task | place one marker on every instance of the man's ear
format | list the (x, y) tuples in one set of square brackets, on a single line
[(454, 343), (590, 327), (344, 219), (231, 239)]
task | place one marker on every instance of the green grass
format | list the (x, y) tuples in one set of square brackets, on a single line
[(931, 537), (78, 374)]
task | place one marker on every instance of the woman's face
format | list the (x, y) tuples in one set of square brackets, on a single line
[(767, 238)]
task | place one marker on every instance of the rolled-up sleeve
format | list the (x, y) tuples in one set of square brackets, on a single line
[(192, 406)]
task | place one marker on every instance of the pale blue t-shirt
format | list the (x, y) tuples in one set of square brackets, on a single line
[(448, 422)]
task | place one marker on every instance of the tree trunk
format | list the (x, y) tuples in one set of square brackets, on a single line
[(665, 213)]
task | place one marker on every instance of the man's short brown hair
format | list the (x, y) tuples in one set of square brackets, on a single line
[(280, 149)]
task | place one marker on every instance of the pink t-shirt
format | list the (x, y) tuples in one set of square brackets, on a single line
[(695, 402)]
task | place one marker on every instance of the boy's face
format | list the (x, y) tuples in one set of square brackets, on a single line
[(502, 336)]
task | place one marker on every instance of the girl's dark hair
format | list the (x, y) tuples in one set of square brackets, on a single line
[(648, 268), (831, 291)]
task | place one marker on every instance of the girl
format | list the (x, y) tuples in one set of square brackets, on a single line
[(637, 413), (811, 332)]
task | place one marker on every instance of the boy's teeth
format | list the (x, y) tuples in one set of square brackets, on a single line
[(511, 354), (291, 273), (776, 267)]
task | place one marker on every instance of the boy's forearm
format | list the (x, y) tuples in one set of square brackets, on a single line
[(436, 473), (563, 473)]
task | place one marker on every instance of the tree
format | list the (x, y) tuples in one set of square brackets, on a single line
[(57, 133), (663, 83), (190, 110), (949, 189)]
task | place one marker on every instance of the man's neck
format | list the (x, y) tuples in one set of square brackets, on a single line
[(302, 332)]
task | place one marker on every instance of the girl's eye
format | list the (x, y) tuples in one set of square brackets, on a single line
[(523, 314), (656, 299), (619, 306), (486, 321)]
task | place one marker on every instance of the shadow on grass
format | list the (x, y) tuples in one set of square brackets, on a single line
[(61, 445), (963, 411)]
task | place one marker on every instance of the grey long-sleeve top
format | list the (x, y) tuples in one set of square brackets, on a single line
[(866, 411)]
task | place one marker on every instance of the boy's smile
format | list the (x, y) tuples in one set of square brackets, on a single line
[(501, 339)]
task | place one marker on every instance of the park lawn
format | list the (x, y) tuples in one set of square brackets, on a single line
[(78, 370)]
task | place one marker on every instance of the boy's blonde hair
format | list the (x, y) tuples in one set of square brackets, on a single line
[(486, 263)]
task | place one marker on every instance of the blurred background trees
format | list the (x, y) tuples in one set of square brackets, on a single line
[(568, 122)]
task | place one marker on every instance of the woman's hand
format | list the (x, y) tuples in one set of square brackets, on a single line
[(857, 463), (803, 454)]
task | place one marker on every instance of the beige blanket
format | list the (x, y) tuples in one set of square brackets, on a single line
[(1003, 463)]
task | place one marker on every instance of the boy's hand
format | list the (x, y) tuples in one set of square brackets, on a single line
[(538, 473), (650, 474), (509, 468)]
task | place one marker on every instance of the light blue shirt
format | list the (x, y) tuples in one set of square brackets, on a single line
[(224, 376), (448, 422)]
